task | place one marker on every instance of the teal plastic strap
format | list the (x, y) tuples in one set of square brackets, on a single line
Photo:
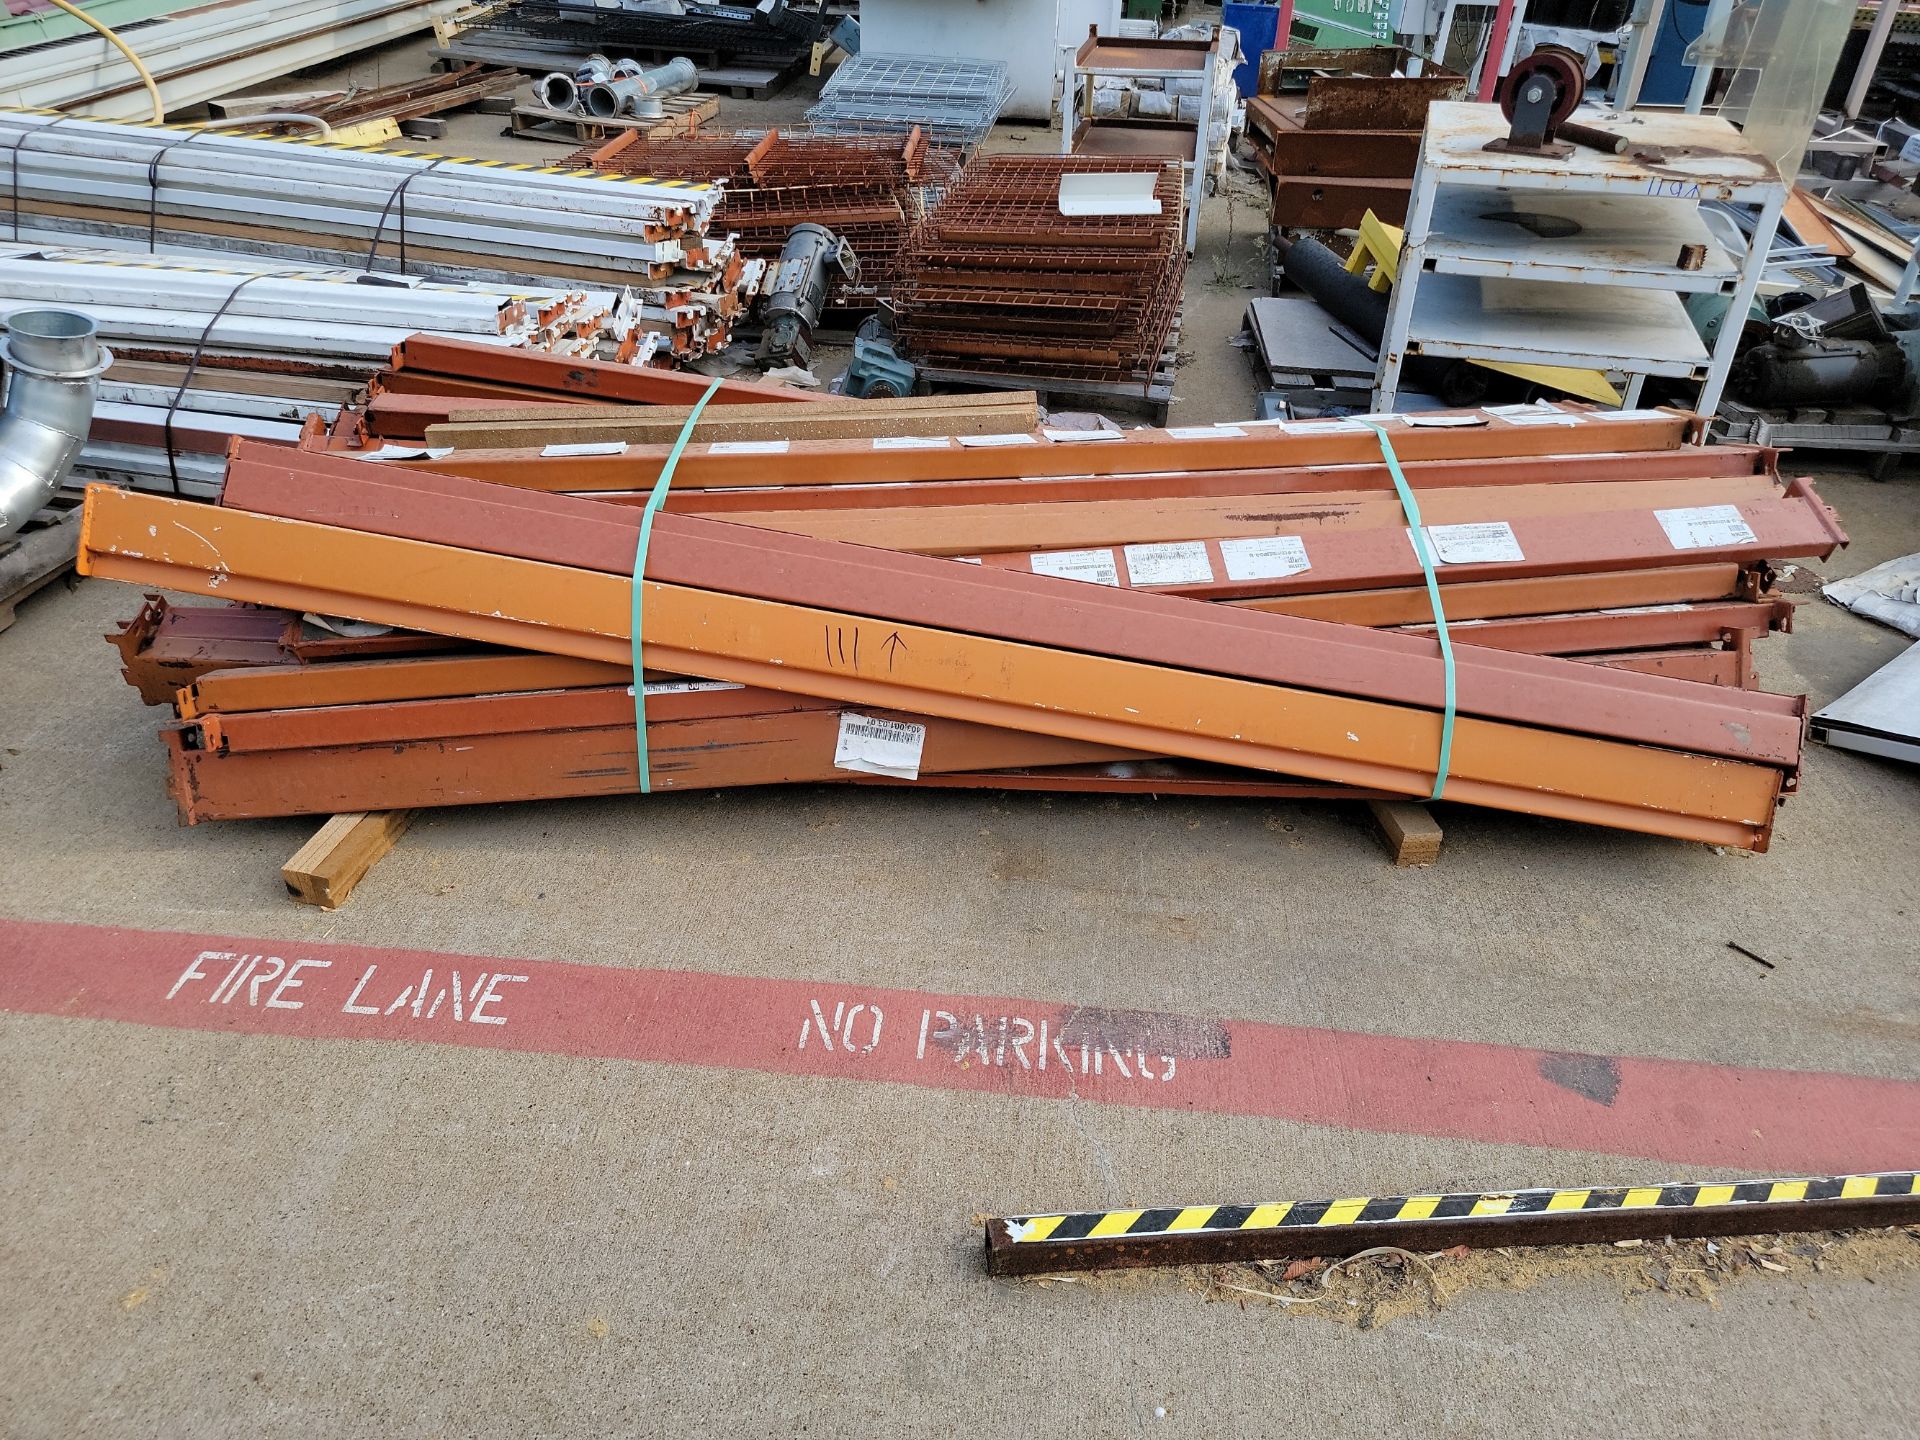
[(654, 501), (1412, 507)]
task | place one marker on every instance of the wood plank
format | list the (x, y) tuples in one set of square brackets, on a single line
[(1813, 228), (1411, 834), (991, 414), (325, 870)]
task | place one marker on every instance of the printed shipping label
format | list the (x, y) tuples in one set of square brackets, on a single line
[(1704, 527), (1487, 543), (1633, 415), (1265, 557), (748, 447), (1183, 562), (1011, 439), (911, 442), (592, 447), (879, 747), (1204, 432), (1067, 437), (1094, 565)]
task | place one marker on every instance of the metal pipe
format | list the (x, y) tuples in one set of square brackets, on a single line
[(54, 362), (638, 91), (559, 92), (1876, 46)]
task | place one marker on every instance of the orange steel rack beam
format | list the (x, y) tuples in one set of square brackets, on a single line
[(1690, 463), (856, 462), (1130, 624), (919, 670), (987, 529), (1786, 525), (452, 361), (1538, 595)]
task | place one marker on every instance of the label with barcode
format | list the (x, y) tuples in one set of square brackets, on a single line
[(1705, 527), (1265, 557), (874, 746), (1181, 562), (1096, 566), (1486, 543)]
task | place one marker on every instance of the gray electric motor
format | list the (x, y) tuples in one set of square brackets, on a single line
[(811, 258)]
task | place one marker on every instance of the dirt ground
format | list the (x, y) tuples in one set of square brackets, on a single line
[(236, 1230)]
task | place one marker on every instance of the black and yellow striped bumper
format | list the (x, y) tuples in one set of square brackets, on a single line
[(1298, 1229)]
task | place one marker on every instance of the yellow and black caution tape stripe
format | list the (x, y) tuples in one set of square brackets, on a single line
[(1304, 1226)]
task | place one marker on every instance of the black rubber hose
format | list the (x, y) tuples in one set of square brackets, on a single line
[(1323, 275)]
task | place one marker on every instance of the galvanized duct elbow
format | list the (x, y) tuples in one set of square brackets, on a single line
[(53, 360)]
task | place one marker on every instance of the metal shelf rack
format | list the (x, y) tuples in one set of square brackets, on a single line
[(1135, 60), (1580, 260)]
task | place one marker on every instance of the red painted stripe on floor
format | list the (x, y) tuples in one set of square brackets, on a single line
[(1686, 1112)]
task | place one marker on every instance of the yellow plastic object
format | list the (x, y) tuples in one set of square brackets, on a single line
[(367, 132), (1378, 246)]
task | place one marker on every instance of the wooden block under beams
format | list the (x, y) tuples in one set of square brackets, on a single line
[(1411, 833), (324, 871)]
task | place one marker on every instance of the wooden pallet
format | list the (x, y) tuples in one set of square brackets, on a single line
[(567, 127), (751, 82), (40, 554), (1149, 396)]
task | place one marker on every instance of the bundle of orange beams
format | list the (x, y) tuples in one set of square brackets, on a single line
[(1232, 610)]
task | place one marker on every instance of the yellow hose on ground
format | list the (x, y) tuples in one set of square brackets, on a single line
[(159, 110)]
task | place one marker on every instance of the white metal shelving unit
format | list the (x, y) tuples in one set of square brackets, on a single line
[(1579, 260), (1117, 57)]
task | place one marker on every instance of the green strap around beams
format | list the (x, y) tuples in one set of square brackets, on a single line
[(1412, 507), (654, 501)]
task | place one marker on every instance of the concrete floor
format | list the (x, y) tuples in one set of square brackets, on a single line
[(233, 1234)]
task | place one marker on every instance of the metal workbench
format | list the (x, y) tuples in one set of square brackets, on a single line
[(1579, 260)]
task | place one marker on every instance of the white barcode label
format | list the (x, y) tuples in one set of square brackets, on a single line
[(1068, 437), (687, 687), (1204, 432), (588, 447), (748, 447), (1445, 420), (911, 442), (1322, 427), (1705, 527), (1265, 557), (1634, 415), (1486, 543), (409, 452), (1010, 439), (875, 746), (1181, 562), (1094, 565)]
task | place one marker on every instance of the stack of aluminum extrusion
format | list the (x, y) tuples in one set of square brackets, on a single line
[(174, 189), (204, 351), (1209, 610), (543, 34), (200, 52)]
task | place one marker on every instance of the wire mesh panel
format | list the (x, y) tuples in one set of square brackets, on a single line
[(954, 101)]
